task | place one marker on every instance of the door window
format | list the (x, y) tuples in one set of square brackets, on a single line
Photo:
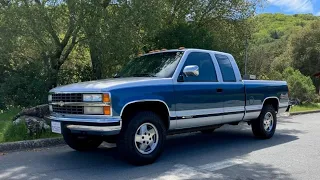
[(207, 72), (226, 68)]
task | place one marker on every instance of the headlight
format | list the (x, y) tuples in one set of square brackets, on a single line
[(49, 98), (92, 97), (93, 110)]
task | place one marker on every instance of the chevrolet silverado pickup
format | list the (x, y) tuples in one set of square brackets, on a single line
[(162, 93)]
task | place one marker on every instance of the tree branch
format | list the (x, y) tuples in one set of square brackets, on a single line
[(69, 48), (48, 24), (71, 26), (212, 4)]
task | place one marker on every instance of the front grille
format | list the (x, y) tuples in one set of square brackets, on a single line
[(67, 97), (68, 109)]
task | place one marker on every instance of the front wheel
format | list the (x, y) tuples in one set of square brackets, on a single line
[(265, 126), (141, 141)]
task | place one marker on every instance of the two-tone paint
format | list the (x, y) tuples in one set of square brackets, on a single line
[(189, 104)]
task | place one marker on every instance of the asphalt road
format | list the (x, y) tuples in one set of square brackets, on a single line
[(231, 152)]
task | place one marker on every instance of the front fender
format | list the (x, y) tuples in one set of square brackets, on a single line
[(122, 97)]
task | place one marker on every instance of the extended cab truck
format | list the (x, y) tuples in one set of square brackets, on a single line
[(163, 93)]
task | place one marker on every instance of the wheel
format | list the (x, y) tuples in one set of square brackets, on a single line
[(265, 126), (141, 141), (80, 142), (110, 139)]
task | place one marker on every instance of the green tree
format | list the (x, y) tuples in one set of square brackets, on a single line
[(306, 49), (44, 31), (116, 32)]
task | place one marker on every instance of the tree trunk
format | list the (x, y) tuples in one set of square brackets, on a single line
[(52, 79), (96, 61)]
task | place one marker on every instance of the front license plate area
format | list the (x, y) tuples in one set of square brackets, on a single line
[(56, 127)]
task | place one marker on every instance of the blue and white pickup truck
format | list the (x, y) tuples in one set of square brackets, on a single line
[(161, 93)]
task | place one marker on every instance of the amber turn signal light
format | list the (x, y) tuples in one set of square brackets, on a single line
[(106, 110), (106, 97)]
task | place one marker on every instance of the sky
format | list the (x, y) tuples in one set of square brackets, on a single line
[(292, 7)]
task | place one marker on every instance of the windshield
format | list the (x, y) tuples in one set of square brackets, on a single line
[(153, 65)]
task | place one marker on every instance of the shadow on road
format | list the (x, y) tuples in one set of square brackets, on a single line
[(183, 157)]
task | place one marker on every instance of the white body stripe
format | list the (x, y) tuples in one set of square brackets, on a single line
[(199, 112), (253, 107), (233, 109)]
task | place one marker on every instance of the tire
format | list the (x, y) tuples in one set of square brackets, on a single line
[(142, 126), (80, 142), (264, 127)]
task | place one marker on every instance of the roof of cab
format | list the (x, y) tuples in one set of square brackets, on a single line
[(184, 50)]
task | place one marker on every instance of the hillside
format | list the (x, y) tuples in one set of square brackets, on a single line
[(286, 47), (271, 27)]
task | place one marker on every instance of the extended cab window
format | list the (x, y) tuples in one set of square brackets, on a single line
[(153, 65), (207, 72), (226, 68)]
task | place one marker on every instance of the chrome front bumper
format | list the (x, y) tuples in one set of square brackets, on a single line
[(91, 124)]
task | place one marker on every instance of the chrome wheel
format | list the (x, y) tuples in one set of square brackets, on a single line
[(268, 121), (146, 138)]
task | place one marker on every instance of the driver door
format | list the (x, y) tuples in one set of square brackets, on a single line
[(199, 100)]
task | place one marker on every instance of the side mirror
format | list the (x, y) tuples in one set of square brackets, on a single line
[(192, 70)]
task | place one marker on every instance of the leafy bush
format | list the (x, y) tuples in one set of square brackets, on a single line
[(10, 132), (25, 86), (78, 73), (19, 132), (16, 132), (300, 86)]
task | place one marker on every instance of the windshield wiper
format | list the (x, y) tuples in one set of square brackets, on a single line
[(144, 75)]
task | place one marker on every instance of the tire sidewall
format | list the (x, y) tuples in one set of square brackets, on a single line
[(133, 155), (265, 110)]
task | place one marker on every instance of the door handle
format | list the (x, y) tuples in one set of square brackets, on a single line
[(219, 90)]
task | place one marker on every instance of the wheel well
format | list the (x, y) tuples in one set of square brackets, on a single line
[(155, 106), (272, 101)]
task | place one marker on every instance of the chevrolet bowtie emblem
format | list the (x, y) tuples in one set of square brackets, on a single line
[(61, 103)]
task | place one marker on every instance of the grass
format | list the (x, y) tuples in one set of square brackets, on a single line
[(305, 107), (19, 132)]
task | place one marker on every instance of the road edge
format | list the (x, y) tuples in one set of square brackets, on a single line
[(30, 144), (304, 112)]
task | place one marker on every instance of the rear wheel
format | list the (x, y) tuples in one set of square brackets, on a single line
[(265, 126), (81, 142), (141, 141)]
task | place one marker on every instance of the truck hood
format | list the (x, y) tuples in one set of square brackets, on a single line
[(106, 85)]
